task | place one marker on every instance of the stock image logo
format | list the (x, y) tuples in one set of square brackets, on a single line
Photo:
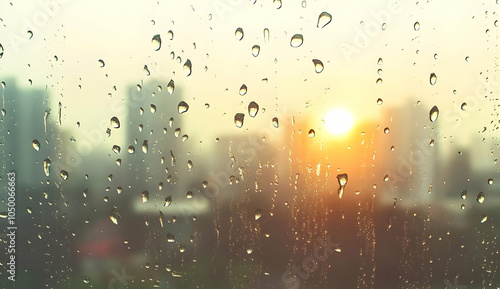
[(324, 248), (119, 280)]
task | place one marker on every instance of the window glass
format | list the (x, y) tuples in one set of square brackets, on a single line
[(249, 144)]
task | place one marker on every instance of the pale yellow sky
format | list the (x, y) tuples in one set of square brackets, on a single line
[(120, 33)]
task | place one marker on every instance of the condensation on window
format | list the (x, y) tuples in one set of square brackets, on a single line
[(249, 144)]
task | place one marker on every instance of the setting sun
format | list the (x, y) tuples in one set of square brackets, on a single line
[(339, 121)]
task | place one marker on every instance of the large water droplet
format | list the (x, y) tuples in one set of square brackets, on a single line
[(116, 149), (296, 40), (433, 78), (434, 113), (177, 132), (276, 123), (463, 195), (36, 144), (182, 107), (101, 63), (324, 19), (266, 35), (318, 65), (258, 214), (490, 181), (253, 109), (464, 106), (168, 201), (255, 50), (131, 149), (152, 108), (342, 179), (277, 4), (416, 26), (171, 86), (172, 160), (156, 41), (86, 279), (46, 166), (187, 67), (312, 133), (64, 175), (115, 122), (239, 33), (484, 218), (480, 198), (243, 89), (114, 217), (145, 196), (145, 146), (161, 218), (170, 34), (1, 50), (238, 119)]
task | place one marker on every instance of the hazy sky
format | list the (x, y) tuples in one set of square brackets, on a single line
[(120, 33)]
